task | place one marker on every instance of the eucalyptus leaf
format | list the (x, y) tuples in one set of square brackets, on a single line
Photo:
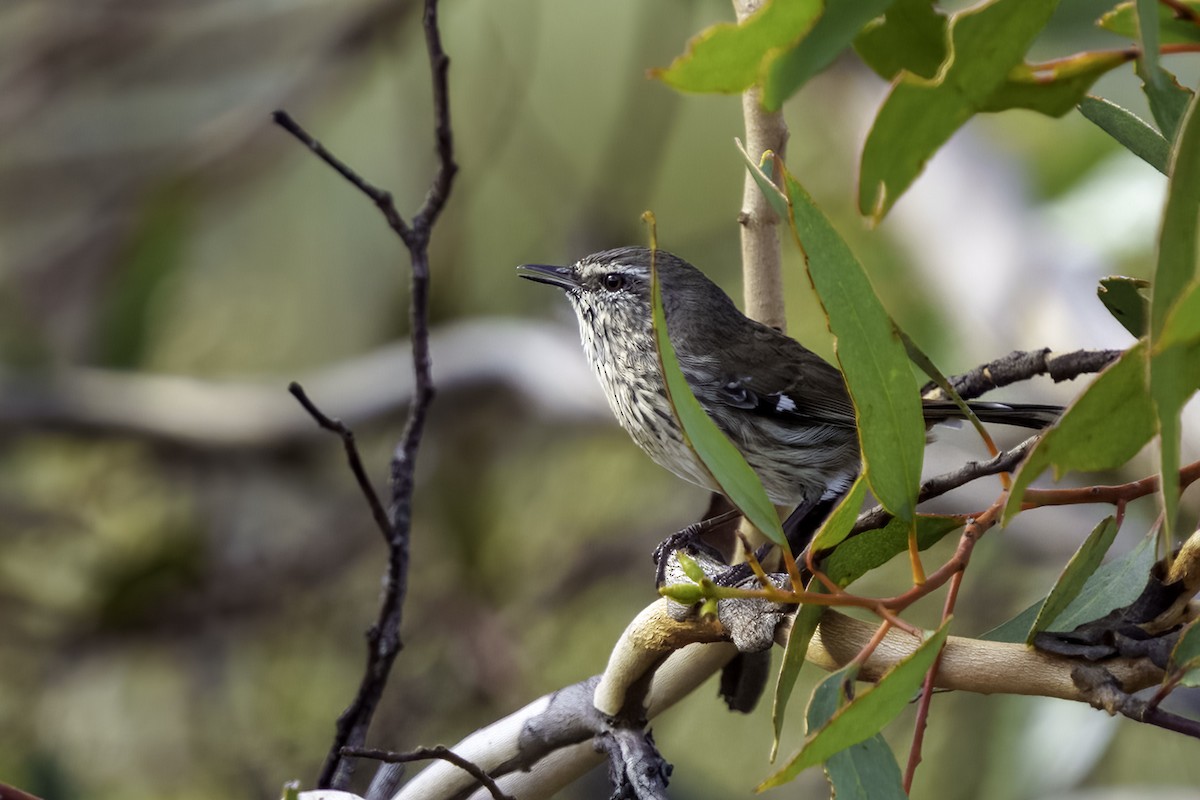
[(832, 34), (803, 627), (920, 115), (1079, 569), (866, 714), (1129, 130), (863, 771), (872, 356), (910, 37), (1175, 371), (719, 456), (729, 58), (1125, 300)]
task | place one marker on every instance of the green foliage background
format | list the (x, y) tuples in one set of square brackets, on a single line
[(186, 621)]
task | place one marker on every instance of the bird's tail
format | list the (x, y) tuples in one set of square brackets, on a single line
[(1023, 415)]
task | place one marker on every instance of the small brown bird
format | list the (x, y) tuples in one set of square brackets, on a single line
[(784, 407)]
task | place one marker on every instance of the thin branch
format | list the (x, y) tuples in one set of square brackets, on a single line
[(1021, 365), (426, 754), (1103, 691), (352, 456), (383, 638), (382, 199), (939, 485)]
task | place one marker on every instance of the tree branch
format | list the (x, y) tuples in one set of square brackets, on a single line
[(762, 255), (383, 638)]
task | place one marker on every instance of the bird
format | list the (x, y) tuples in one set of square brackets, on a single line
[(786, 409)]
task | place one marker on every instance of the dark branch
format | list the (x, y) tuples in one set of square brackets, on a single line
[(1021, 365), (352, 456), (382, 199), (939, 485), (425, 754), (383, 638), (1104, 691)]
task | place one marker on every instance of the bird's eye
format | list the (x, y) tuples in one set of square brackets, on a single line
[(613, 281)]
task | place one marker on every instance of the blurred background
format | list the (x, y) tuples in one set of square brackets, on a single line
[(186, 567)]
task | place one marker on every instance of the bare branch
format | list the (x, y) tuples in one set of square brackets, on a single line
[(383, 638), (352, 456), (425, 754), (1021, 365)]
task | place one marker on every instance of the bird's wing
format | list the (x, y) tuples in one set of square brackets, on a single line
[(778, 377)]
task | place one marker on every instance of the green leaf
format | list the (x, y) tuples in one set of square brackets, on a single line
[(919, 116), (1168, 100), (832, 34), (871, 353), (866, 715), (863, 771), (837, 525), (860, 554), (1054, 88), (1186, 655), (1129, 130), (910, 37), (1115, 584), (1124, 299), (803, 627), (1122, 20), (1175, 371), (1183, 320), (729, 58), (723, 461), (1087, 437), (1118, 583), (918, 357), (1079, 569)]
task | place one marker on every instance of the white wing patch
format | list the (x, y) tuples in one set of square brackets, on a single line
[(785, 404)]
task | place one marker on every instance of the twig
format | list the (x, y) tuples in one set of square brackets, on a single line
[(383, 637), (352, 456), (1103, 691), (1021, 365), (425, 754), (914, 753), (939, 485)]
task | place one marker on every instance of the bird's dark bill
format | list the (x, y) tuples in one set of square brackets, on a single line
[(562, 277)]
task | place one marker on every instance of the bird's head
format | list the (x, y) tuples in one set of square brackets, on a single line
[(608, 289), (611, 289)]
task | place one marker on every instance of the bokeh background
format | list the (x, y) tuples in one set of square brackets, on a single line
[(186, 568)]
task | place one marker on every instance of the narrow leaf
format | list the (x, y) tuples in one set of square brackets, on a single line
[(723, 461), (863, 771), (1129, 130), (1168, 100), (919, 116), (803, 627), (833, 33), (859, 555), (1086, 437), (911, 37), (838, 524), (1053, 89), (1115, 584), (871, 353), (1175, 371), (1124, 299), (728, 58), (1122, 20), (1183, 321), (1079, 569), (866, 715)]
